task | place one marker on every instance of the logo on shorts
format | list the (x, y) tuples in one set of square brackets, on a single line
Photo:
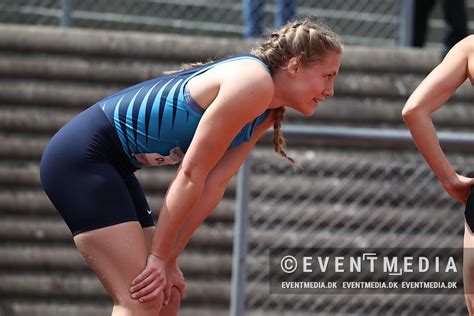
[(148, 211)]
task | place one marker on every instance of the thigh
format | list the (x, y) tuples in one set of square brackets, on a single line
[(117, 254), (149, 233), (142, 209)]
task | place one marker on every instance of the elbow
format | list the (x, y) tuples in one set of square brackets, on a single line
[(406, 114), (193, 175), (409, 112)]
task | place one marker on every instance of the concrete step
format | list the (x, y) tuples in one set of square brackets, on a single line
[(220, 236), (347, 111), (214, 293), (116, 44), (26, 147), (32, 308), (35, 203), (266, 213), (53, 93), (87, 286), (195, 264), (74, 65), (350, 186), (166, 48), (347, 85), (54, 230), (62, 258), (81, 68)]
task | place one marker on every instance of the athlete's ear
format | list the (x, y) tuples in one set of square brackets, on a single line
[(294, 66)]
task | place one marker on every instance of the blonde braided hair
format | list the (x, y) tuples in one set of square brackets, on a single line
[(311, 42)]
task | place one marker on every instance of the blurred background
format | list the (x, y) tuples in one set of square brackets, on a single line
[(362, 182), (378, 22)]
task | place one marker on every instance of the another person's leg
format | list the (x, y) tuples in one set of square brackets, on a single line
[(455, 16), (285, 11), (253, 16), (420, 24)]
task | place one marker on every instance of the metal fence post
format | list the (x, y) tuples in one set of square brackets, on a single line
[(239, 275), (406, 22), (66, 19)]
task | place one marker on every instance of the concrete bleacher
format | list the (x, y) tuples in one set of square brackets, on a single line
[(48, 74)]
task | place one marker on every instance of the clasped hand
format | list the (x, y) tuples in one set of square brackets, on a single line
[(156, 277)]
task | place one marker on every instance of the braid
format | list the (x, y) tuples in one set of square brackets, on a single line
[(278, 139)]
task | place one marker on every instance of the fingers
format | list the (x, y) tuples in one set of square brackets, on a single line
[(149, 285), (167, 294), (151, 296), (150, 278), (142, 276), (150, 292), (180, 287)]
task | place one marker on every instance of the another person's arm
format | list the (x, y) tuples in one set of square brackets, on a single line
[(433, 92)]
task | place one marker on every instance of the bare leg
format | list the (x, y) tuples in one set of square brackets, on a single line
[(117, 254), (172, 308), (468, 268)]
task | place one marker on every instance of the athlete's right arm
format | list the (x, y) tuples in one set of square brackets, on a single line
[(430, 95)]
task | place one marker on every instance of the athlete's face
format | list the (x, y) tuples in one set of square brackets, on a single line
[(312, 84)]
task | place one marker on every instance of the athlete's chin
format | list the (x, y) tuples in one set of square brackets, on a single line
[(309, 111), (306, 110)]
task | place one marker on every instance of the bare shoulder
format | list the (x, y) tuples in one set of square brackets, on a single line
[(464, 52), (248, 72), (463, 49), (248, 81), (250, 68), (233, 78), (467, 43)]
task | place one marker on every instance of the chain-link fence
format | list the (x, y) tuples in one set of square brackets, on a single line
[(376, 22), (376, 199)]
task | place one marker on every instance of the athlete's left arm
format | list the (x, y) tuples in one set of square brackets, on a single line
[(216, 184)]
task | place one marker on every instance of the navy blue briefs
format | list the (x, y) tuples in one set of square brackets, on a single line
[(469, 211), (88, 177)]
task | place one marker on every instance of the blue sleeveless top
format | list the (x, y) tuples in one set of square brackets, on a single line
[(158, 115)]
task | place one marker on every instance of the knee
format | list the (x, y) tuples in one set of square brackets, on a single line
[(134, 307)]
